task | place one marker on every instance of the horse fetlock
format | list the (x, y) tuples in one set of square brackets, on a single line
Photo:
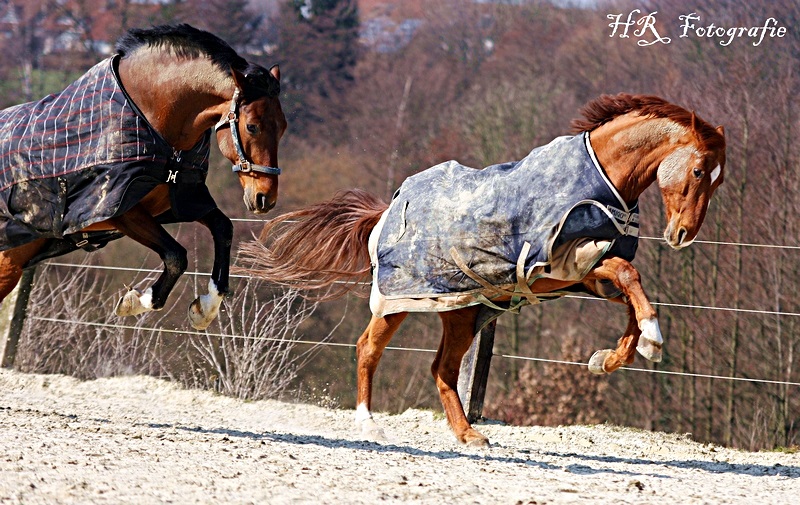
[(134, 302), (597, 361)]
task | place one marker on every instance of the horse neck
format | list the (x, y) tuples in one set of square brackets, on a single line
[(630, 148), (180, 98)]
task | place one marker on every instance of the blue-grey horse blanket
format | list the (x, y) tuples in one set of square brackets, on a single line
[(452, 230), (85, 155)]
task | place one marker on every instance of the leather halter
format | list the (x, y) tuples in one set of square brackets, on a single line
[(243, 164)]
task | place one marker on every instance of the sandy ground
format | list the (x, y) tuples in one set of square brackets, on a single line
[(141, 440)]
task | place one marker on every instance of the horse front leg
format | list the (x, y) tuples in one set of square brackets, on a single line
[(139, 225), (643, 332), (608, 360), (204, 309)]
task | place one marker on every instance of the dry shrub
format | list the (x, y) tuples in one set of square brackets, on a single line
[(552, 394), (250, 352), (71, 329), (262, 359)]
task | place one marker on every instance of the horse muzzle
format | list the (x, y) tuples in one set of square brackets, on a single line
[(676, 234), (259, 203)]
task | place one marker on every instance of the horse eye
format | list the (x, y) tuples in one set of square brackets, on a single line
[(698, 173), (252, 129)]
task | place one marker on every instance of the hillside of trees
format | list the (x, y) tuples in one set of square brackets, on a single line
[(375, 91)]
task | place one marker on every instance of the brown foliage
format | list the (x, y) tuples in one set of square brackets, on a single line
[(552, 394)]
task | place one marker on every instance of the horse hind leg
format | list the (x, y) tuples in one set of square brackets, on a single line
[(458, 333), (369, 350), (12, 262), (140, 226)]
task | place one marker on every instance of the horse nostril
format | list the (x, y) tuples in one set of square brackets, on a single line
[(681, 235)]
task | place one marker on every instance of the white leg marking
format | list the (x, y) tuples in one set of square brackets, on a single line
[(650, 342), (134, 303), (362, 413), (205, 308), (368, 427), (147, 299)]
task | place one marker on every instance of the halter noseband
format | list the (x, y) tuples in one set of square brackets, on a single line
[(243, 164)]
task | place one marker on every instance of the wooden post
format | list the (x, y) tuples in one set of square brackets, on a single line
[(12, 318), (474, 372)]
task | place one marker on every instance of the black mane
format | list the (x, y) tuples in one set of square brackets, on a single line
[(186, 41)]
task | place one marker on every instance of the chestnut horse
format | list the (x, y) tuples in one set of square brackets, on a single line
[(170, 85), (637, 140)]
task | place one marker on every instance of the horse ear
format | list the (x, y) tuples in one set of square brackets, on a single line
[(721, 130), (238, 78), (694, 122), (275, 70)]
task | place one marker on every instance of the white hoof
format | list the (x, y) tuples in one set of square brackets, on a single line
[(134, 302), (650, 341), (371, 431), (205, 308), (597, 360)]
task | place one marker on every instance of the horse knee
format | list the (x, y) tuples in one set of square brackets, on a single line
[(627, 275)]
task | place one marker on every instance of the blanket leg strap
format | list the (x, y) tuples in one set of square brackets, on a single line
[(522, 294)]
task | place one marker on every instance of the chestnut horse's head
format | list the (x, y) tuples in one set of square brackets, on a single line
[(256, 123), (640, 139), (688, 176)]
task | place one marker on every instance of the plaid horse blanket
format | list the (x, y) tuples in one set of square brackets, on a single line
[(85, 155), (455, 236)]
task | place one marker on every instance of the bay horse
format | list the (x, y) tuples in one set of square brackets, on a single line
[(627, 142), (125, 149)]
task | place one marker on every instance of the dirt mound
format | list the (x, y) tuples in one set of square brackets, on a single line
[(140, 440)]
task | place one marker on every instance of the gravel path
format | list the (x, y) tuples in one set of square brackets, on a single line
[(140, 440)]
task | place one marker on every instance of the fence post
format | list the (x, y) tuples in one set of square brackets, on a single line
[(474, 372), (12, 317)]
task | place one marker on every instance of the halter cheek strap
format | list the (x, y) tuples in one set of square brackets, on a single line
[(243, 164)]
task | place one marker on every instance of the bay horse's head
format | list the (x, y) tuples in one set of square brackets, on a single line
[(248, 136), (688, 176)]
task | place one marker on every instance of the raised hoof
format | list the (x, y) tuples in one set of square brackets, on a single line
[(205, 308), (134, 303), (198, 319), (371, 431), (474, 438), (597, 361), (649, 350)]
